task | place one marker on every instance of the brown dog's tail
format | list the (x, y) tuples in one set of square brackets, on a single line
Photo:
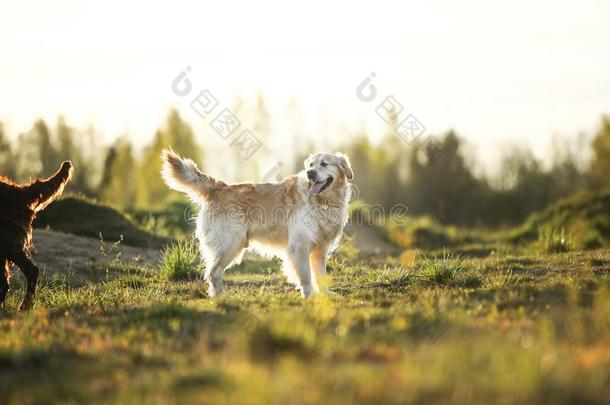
[(41, 193), (183, 175)]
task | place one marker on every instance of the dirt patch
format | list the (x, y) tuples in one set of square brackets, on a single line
[(57, 251), (372, 240)]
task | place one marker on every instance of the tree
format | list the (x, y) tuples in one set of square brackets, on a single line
[(568, 171), (116, 186), (150, 191), (391, 163), (7, 158), (362, 157), (381, 170), (37, 155), (444, 187), (600, 164), (526, 186), (262, 131), (68, 148), (237, 170)]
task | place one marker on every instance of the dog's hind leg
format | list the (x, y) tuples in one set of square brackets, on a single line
[(216, 263), (298, 257), (31, 275), (4, 280)]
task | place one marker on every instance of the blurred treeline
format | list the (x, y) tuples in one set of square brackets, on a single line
[(446, 186)]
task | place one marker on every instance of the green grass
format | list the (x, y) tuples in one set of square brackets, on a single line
[(520, 316), (511, 328), (174, 221), (180, 261), (578, 222), (582, 219), (552, 240)]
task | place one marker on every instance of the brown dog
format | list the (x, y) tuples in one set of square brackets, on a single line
[(18, 207)]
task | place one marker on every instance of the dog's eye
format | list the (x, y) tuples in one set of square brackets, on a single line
[(324, 164), (311, 165)]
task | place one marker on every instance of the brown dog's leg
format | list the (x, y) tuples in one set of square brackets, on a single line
[(31, 275), (4, 277)]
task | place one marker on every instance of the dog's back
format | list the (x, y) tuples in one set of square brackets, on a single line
[(20, 203), (15, 217)]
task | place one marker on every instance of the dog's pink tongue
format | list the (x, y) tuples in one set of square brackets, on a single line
[(316, 187)]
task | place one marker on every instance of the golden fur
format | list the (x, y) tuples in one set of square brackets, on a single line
[(300, 218)]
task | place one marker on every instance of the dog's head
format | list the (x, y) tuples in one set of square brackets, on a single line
[(326, 171)]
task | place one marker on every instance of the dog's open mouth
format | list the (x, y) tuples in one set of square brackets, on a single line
[(319, 186)]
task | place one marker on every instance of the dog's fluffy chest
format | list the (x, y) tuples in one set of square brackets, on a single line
[(321, 221)]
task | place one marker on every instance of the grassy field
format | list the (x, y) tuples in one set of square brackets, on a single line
[(511, 327)]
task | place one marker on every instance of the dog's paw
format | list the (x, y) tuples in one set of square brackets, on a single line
[(214, 292), (307, 291), (330, 293), (26, 305)]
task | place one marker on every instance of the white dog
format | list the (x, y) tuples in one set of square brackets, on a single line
[(299, 219)]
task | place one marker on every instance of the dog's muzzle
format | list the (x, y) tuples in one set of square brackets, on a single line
[(317, 187)]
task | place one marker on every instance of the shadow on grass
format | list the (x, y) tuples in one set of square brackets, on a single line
[(201, 379), (532, 297), (257, 266), (169, 318), (45, 375)]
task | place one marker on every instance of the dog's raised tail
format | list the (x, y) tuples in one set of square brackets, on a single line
[(183, 175), (41, 193)]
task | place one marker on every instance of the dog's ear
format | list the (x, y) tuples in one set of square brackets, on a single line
[(345, 165)]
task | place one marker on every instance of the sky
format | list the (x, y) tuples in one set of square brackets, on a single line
[(500, 74)]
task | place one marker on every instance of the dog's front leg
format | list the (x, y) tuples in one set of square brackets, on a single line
[(298, 255), (317, 261)]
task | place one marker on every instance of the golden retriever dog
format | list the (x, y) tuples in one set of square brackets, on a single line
[(299, 219)]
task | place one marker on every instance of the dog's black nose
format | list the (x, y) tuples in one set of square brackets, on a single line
[(311, 174)]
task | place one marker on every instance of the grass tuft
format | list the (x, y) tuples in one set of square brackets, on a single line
[(179, 261), (443, 270), (552, 240)]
